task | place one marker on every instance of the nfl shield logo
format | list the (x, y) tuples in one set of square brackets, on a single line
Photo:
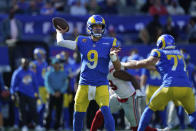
[(84, 40)]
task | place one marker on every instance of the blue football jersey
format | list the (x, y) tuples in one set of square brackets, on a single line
[(172, 68), (41, 69), (153, 77), (95, 59)]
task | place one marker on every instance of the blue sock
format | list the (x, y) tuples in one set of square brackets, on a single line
[(180, 114), (145, 119), (192, 118), (163, 116), (78, 121), (108, 119), (66, 117)]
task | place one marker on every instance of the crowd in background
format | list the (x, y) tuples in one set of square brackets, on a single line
[(115, 7), (153, 8)]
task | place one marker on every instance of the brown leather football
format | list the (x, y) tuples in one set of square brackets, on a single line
[(62, 23)]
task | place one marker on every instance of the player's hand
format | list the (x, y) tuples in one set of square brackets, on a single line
[(114, 51), (61, 30)]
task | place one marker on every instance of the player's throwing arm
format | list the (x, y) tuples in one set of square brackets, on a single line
[(62, 27)]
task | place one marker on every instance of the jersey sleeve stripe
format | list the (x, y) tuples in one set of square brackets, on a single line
[(155, 53), (114, 42), (76, 40), (159, 54)]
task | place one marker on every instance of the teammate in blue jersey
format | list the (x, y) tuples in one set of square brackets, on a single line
[(40, 70), (25, 88), (178, 106), (93, 83), (152, 81), (175, 86)]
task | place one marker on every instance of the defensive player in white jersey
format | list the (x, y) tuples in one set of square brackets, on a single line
[(125, 91)]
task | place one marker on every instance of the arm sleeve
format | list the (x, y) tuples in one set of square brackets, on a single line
[(115, 43), (65, 43)]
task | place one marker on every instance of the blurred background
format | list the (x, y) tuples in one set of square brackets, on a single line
[(26, 26)]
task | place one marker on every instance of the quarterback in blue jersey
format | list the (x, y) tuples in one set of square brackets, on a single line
[(175, 86), (93, 83)]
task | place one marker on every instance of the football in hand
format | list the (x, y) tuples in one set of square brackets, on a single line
[(60, 22)]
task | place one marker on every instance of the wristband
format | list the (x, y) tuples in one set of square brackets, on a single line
[(122, 67), (113, 58)]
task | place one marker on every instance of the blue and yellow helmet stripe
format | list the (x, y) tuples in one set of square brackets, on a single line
[(166, 41), (157, 52)]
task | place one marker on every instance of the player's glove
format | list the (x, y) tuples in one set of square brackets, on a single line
[(139, 94)]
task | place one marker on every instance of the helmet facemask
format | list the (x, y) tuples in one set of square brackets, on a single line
[(96, 31)]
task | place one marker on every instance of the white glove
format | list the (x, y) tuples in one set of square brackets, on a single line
[(139, 94)]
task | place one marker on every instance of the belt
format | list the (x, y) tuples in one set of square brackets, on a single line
[(122, 100)]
